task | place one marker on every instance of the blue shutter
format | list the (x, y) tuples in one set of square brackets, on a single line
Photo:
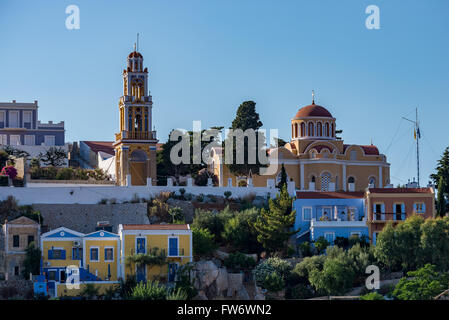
[(105, 255), (62, 254), (91, 253), (402, 208), (173, 247), (424, 207), (50, 254), (383, 208)]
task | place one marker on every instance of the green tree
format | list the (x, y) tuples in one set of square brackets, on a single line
[(283, 180), (214, 222), (32, 261), (441, 198), (275, 225), (203, 241), (246, 118), (435, 242), (442, 173), (422, 284), (240, 233), (53, 156), (321, 244)]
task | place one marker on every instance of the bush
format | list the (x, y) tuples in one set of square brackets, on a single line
[(203, 241), (4, 181), (238, 261), (321, 244), (372, 296), (214, 222), (307, 265), (271, 265), (64, 174), (9, 171), (341, 242), (149, 291), (301, 291), (8, 292), (177, 294), (273, 282), (306, 249), (239, 232)]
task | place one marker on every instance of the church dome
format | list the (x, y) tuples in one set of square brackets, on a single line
[(313, 110), (135, 54)]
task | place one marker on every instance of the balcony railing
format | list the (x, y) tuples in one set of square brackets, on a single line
[(169, 252), (135, 135), (389, 216)]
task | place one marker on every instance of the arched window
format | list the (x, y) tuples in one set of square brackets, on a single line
[(319, 129), (326, 129), (351, 180), (296, 130), (313, 179), (303, 129), (372, 182), (293, 130), (325, 180), (333, 130), (138, 123), (311, 129)]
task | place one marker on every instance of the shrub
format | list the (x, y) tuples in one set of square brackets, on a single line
[(182, 191), (341, 242), (306, 249), (159, 209), (307, 265), (177, 294), (273, 282), (242, 183), (271, 265), (239, 232), (321, 244), (301, 291), (184, 282), (372, 296), (200, 197), (149, 291), (176, 214), (64, 174), (203, 241), (8, 292), (238, 261), (214, 222), (9, 171), (89, 291)]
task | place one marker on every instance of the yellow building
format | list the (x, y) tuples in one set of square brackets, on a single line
[(173, 239), (135, 144), (71, 259), (315, 159)]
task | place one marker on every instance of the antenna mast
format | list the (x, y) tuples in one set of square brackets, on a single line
[(417, 135)]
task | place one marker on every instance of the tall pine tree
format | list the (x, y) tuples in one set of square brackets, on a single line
[(275, 225), (283, 180), (441, 199), (441, 180)]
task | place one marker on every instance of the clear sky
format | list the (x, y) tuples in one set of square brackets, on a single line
[(206, 57)]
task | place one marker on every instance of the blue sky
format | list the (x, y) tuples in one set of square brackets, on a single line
[(206, 57)]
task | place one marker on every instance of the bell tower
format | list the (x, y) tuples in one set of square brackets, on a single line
[(135, 144)]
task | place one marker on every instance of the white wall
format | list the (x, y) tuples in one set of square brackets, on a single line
[(106, 162), (89, 194)]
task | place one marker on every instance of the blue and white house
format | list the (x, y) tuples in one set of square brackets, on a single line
[(330, 215)]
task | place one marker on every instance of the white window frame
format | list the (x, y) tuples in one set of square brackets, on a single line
[(33, 142), (98, 255), (49, 137), (3, 139), (109, 247), (303, 212), (3, 113), (330, 233), (48, 272), (14, 135), (10, 117), (31, 119), (358, 233)]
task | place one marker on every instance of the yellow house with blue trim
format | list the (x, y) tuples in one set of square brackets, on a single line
[(71, 259), (174, 240)]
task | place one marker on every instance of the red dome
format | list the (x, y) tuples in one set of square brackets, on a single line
[(313, 110), (135, 54)]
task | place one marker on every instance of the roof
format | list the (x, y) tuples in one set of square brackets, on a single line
[(328, 195), (105, 146), (156, 227), (313, 110), (135, 54), (400, 190), (371, 150), (321, 147)]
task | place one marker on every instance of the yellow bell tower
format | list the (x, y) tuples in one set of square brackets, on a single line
[(135, 144)]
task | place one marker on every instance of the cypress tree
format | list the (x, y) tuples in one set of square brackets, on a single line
[(441, 200)]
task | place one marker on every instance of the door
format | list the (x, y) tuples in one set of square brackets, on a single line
[(173, 247), (141, 273), (138, 177), (172, 269), (62, 276)]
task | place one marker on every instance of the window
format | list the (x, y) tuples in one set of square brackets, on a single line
[(56, 254), (172, 246), (109, 254), (77, 253), (378, 208), (311, 129), (49, 140), (94, 254), (140, 245), (30, 239), (325, 180), (52, 275), (303, 129), (16, 241), (16, 270), (14, 140), (351, 180), (29, 140), (372, 182), (319, 129), (420, 207), (353, 155), (2, 119), (13, 119), (27, 119), (306, 213), (3, 139), (326, 129)]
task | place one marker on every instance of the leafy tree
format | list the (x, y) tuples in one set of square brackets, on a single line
[(238, 261), (53, 156), (336, 278), (442, 173), (17, 153), (32, 261), (275, 225), (246, 118), (214, 222), (273, 282), (272, 265), (435, 242), (422, 284), (176, 214), (203, 241), (321, 244), (283, 180), (307, 265), (239, 232)]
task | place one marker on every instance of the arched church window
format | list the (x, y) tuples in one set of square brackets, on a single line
[(326, 129), (296, 130), (372, 182), (313, 179), (146, 121), (325, 180), (351, 180), (311, 129), (130, 120), (319, 129), (333, 130), (138, 123), (303, 129)]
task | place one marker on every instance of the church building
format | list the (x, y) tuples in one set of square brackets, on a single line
[(316, 159), (135, 144)]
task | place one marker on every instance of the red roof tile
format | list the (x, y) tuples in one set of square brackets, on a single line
[(400, 190), (368, 149), (328, 195), (104, 146), (156, 227), (313, 110)]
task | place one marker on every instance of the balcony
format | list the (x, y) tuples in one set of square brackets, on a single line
[(388, 216), (135, 135), (337, 223), (172, 252)]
